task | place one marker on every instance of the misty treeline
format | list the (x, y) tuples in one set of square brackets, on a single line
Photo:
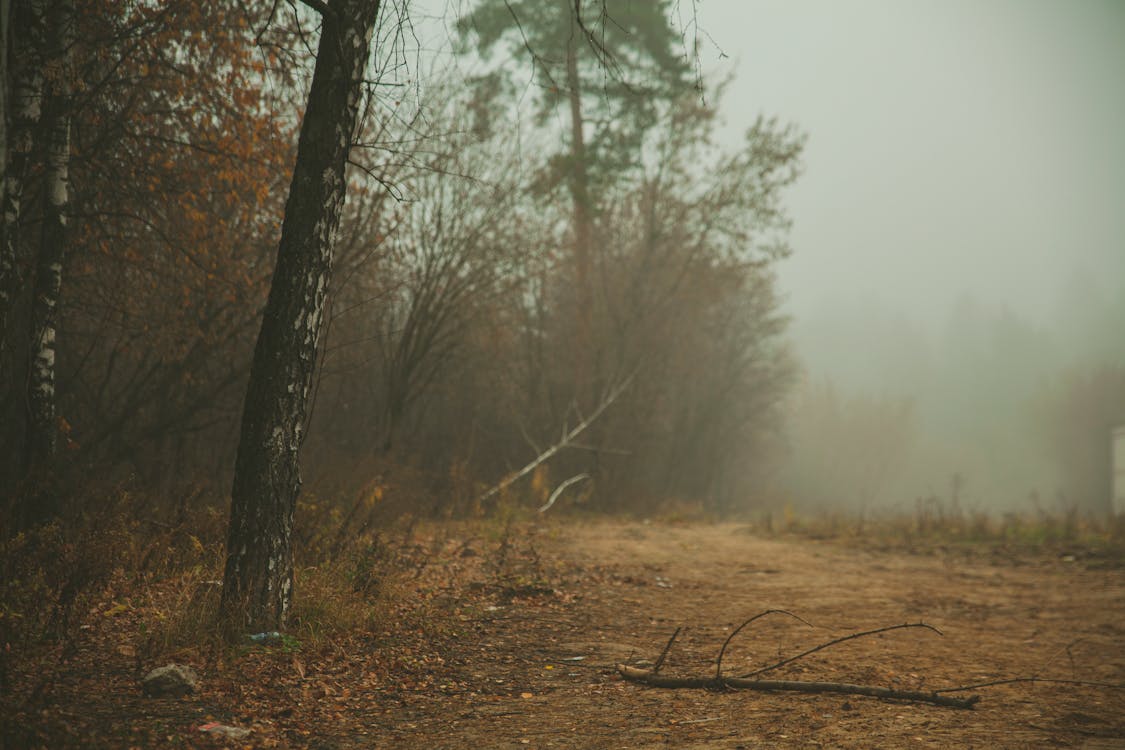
[(495, 276), (989, 411)]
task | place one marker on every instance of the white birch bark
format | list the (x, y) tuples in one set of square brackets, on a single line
[(25, 63), (42, 429), (5, 14), (258, 579)]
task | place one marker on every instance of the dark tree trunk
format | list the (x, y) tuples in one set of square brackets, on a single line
[(42, 431), (5, 8), (583, 223), (258, 580), (22, 107)]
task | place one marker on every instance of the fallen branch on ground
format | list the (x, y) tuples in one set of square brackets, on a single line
[(647, 677), (1029, 680), (836, 641), (749, 682), (736, 631)]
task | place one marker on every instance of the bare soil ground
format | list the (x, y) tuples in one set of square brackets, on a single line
[(511, 640)]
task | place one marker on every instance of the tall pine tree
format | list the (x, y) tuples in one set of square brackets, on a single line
[(611, 66)]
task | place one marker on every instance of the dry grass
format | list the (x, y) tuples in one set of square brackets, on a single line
[(937, 526), (154, 570)]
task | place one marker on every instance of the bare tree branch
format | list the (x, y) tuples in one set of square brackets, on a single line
[(664, 654), (559, 490), (564, 442), (736, 631), (836, 641)]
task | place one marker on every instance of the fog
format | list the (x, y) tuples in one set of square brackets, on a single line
[(535, 222), (958, 274)]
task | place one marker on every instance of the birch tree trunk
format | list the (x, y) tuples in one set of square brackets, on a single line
[(5, 14), (258, 579), (42, 431), (24, 65)]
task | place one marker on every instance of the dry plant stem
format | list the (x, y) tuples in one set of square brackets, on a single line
[(647, 677), (834, 642), (736, 631)]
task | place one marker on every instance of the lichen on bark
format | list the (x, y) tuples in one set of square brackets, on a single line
[(27, 24), (258, 580), (42, 433)]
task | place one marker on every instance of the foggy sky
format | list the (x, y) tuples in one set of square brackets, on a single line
[(955, 146), (958, 232)]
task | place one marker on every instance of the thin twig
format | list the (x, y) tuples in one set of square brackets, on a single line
[(664, 654), (736, 631), (1012, 680), (559, 490), (836, 641)]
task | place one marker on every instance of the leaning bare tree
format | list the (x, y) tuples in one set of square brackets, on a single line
[(258, 579)]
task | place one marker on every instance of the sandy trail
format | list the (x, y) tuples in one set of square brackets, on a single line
[(544, 669)]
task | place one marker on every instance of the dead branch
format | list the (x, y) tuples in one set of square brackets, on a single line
[(559, 490), (836, 641), (748, 682), (723, 650), (1014, 680), (647, 677), (564, 442), (664, 654)]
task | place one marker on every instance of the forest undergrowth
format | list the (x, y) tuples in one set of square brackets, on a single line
[(137, 581)]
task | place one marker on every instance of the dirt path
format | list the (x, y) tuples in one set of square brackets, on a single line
[(543, 670), (521, 632)]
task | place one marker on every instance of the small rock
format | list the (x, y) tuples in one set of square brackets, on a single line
[(225, 730), (170, 680), (271, 636)]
